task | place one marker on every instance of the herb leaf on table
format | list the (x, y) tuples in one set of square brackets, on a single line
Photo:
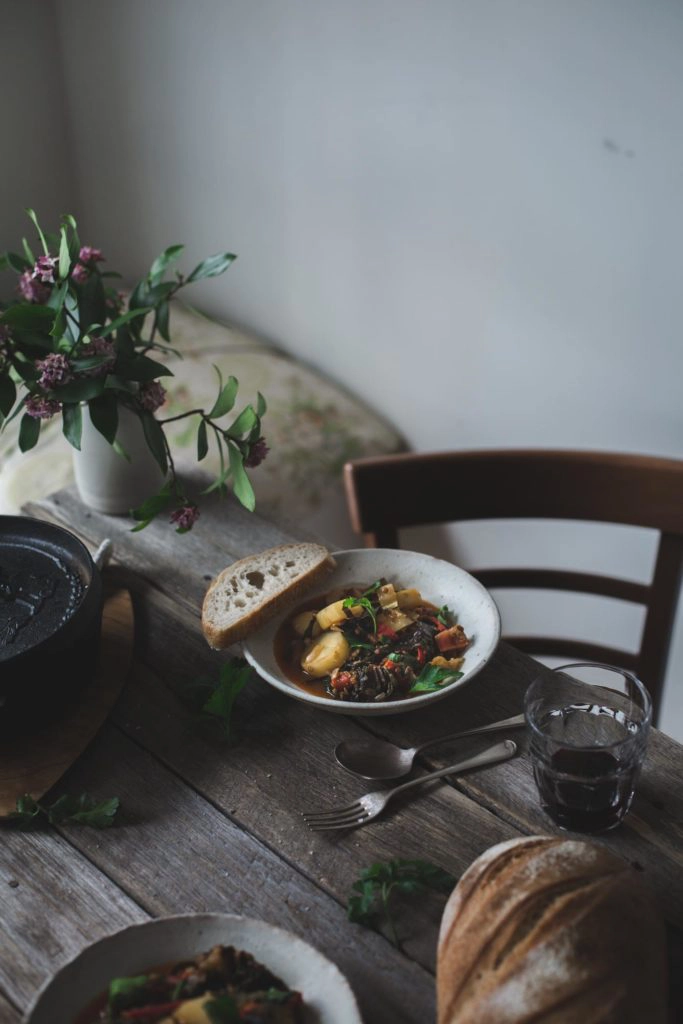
[(370, 903), (213, 699), (66, 810)]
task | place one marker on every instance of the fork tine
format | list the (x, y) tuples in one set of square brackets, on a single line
[(358, 819), (333, 812)]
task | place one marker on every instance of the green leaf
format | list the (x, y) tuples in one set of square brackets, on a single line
[(104, 413), (162, 321), (434, 678), (222, 1010), (349, 602), (369, 903), (64, 255), (17, 262), (152, 506), (132, 314), (167, 257), (445, 615), (276, 995), (80, 390), (80, 810), (72, 423), (28, 316), (28, 252), (8, 394), (27, 813), (261, 407), (202, 440), (29, 432), (154, 435), (241, 485), (124, 992), (73, 318), (243, 424), (92, 302), (226, 398), (234, 675), (212, 266), (74, 244), (33, 217), (84, 810), (142, 369)]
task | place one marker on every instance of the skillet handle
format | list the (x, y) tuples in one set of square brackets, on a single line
[(103, 553)]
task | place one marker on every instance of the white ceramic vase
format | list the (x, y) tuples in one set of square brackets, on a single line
[(106, 481)]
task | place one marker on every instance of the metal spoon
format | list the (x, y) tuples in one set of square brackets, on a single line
[(379, 759)]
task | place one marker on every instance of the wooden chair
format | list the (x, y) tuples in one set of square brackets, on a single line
[(387, 493)]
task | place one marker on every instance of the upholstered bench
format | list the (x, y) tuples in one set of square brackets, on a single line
[(312, 426)]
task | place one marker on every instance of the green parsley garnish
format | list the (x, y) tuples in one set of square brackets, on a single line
[(433, 678), (370, 903), (350, 602)]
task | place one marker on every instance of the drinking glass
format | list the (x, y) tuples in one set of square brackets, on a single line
[(588, 724)]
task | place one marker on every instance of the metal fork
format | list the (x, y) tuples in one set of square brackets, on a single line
[(370, 805)]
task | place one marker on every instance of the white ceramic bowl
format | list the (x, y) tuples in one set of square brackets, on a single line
[(133, 950), (439, 581)]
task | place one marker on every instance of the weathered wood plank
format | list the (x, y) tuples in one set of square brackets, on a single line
[(175, 853), (54, 902), (8, 1013)]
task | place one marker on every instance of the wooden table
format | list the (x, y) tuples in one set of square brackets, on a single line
[(214, 826)]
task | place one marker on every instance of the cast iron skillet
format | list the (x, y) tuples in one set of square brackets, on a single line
[(50, 619)]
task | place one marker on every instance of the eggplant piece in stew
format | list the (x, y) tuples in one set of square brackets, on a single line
[(371, 644)]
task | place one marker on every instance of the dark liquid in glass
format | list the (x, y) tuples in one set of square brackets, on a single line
[(585, 790)]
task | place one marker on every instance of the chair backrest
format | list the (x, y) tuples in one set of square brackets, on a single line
[(386, 493)]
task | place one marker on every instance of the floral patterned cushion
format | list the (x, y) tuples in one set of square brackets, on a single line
[(312, 426)]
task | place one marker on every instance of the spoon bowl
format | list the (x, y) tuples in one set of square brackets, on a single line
[(379, 759)]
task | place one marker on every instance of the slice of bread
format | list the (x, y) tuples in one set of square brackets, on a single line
[(249, 592)]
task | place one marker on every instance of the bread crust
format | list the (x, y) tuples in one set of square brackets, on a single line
[(551, 930), (282, 584)]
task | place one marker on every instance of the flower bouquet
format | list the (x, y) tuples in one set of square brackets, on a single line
[(69, 340)]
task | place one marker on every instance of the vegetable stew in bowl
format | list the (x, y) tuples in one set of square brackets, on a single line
[(392, 631), (371, 643)]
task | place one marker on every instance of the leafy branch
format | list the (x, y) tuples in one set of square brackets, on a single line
[(371, 901), (75, 810), (69, 342)]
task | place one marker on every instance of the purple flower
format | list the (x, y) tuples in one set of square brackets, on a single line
[(44, 269), (87, 258), (185, 517), (41, 408), (257, 453), (80, 274), (99, 347), (55, 370), (89, 255), (152, 395), (32, 291)]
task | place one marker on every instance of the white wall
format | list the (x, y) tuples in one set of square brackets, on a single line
[(468, 211), (35, 155)]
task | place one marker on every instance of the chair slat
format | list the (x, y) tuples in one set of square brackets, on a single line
[(552, 579)]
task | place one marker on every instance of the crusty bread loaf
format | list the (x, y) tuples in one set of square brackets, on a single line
[(247, 593), (554, 931)]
